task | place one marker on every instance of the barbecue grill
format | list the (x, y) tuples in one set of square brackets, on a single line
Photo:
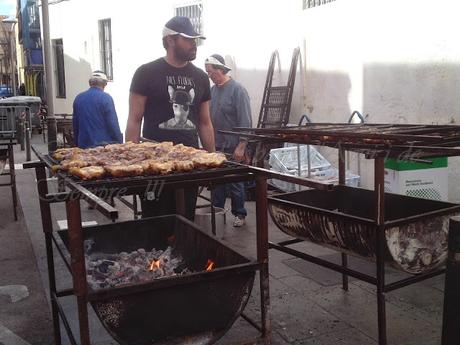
[(200, 305), (407, 232), (415, 229), (207, 302)]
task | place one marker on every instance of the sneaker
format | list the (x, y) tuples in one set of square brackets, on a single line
[(239, 222)]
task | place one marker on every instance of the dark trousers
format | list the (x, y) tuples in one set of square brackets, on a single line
[(235, 190), (165, 203)]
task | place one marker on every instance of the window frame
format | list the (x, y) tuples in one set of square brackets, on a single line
[(194, 11), (105, 46), (59, 67)]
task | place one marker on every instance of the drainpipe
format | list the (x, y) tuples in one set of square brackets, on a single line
[(52, 131)]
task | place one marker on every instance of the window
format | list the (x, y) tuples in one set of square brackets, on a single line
[(59, 70), (314, 3), (193, 12), (105, 46)]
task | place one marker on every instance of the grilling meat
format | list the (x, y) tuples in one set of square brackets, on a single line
[(130, 159)]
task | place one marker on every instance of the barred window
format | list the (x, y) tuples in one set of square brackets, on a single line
[(194, 13), (314, 3), (59, 70), (105, 47)]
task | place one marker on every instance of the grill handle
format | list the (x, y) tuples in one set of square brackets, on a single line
[(80, 192)]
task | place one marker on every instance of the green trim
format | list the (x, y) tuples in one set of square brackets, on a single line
[(401, 165)]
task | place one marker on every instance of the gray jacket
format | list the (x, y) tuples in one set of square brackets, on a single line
[(230, 107)]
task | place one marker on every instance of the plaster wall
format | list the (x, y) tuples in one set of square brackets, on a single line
[(394, 61)]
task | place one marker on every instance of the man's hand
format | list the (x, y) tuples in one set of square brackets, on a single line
[(239, 153)]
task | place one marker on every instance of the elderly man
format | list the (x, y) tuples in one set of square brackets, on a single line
[(95, 120), (171, 96), (230, 107)]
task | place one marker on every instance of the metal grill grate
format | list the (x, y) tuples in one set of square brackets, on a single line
[(315, 3)]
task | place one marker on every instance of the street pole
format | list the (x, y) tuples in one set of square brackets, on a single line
[(12, 49), (52, 131), (13, 59)]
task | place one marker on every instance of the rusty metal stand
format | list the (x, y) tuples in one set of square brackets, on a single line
[(262, 253), (12, 173), (77, 259), (47, 225), (379, 191), (379, 279), (451, 315)]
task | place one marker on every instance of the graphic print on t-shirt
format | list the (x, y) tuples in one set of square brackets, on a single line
[(181, 95)]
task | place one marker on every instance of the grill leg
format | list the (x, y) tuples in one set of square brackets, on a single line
[(47, 225), (13, 181), (262, 255), (78, 266), (180, 201), (380, 243), (344, 276), (451, 315), (342, 181)]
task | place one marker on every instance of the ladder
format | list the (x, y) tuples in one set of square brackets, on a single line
[(276, 100)]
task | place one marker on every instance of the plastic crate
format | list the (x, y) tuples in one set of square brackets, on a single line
[(330, 175), (7, 122), (285, 159)]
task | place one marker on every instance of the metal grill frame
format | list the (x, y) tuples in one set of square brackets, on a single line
[(376, 141), (77, 264)]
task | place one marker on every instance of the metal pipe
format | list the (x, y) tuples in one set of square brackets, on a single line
[(380, 241), (45, 211), (324, 263), (262, 253), (13, 64), (52, 130), (342, 182), (80, 285), (451, 314)]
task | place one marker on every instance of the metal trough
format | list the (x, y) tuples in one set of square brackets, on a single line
[(196, 308), (416, 229)]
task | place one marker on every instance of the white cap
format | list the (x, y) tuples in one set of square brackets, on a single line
[(99, 75)]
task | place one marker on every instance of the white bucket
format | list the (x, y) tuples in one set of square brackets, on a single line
[(203, 219)]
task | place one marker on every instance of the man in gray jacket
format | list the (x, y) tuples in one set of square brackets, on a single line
[(229, 107)]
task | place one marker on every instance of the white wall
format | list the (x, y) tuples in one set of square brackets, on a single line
[(397, 61)]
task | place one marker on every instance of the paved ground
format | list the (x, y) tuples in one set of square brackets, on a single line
[(308, 305)]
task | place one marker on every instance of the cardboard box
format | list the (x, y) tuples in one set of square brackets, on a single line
[(421, 180)]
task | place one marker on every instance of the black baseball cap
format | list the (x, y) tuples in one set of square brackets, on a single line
[(180, 26)]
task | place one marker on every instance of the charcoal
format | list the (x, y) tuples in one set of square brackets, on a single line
[(106, 270)]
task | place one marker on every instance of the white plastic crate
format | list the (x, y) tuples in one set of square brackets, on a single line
[(330, 175), (285, 160)]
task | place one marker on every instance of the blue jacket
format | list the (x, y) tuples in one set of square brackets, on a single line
[(95, 120)]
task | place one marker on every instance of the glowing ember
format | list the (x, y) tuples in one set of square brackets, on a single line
[(155, 264), (209, 265)]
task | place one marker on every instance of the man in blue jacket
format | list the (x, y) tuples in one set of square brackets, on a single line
[(95, 120)]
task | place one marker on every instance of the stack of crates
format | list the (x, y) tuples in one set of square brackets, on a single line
[(287, 160), (7, 122)]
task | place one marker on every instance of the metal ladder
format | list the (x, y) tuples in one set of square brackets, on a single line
[(276, 100)]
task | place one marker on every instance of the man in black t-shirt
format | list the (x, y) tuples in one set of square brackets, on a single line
[(172, 96)]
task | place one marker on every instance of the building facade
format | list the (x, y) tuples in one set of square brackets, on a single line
[(29, 37), (394, 61)]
